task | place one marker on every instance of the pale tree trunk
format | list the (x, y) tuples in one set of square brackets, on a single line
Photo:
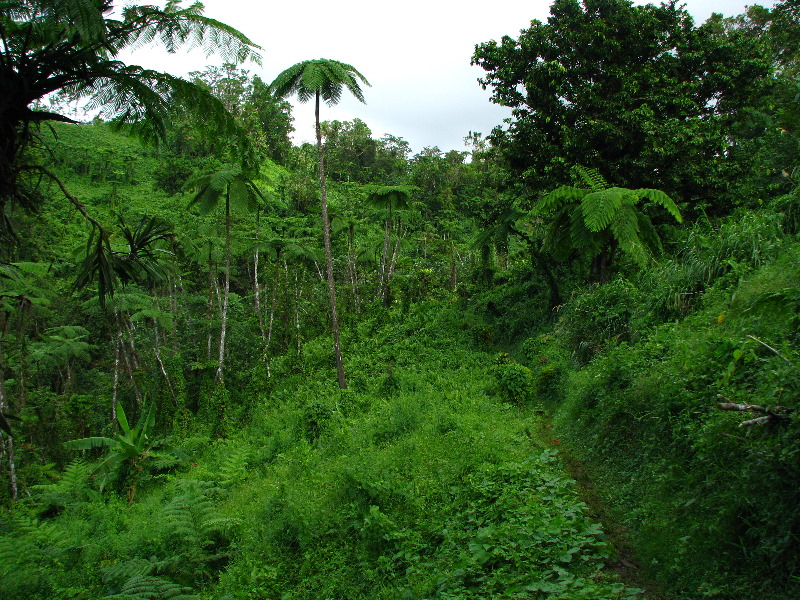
[(273, 301), (128, 352), (352, 272), (210, 306), (115, 384), (393, 260), (326, 235), (226, 291), (293, 301), (7, 442), (257, 285), (382, 283), (157, 351)]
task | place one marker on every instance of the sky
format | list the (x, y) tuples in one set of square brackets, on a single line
[(415, 54)]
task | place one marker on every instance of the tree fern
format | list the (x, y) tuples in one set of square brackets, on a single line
[(596, 220), (193, 517), (600, 208), (660, 198), (114, 575), (72, 488)]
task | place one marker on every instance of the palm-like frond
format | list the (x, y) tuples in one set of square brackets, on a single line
[(588, 220), (227, 182), (395, 197), (139, 262), (321, 76), (590, 177), (175, 27), (566, 194), (70, 46)]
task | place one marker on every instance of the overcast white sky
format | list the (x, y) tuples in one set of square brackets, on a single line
[(416, 54)]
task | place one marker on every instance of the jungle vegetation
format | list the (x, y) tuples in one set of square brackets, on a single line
[(572, 350)]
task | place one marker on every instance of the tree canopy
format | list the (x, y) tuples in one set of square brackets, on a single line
[(638, 92)]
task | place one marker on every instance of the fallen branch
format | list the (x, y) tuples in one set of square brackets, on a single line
[(752, 337), (777, 413)]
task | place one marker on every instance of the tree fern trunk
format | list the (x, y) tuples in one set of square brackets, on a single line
[(226, 290), (256, 284), (7, 441), (326, 235), (272, 304)]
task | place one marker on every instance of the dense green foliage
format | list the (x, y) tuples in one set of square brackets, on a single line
[(170, 418)]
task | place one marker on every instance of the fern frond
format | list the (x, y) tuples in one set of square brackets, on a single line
[(124, 571), (234, 467), (73, 486), (591, 177), (590, 243), (599, 208), (660, 198), (566, 194), (18, 555), (625, 229), (147, 587), (323, 76)]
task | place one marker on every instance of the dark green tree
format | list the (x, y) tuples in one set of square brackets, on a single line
[(266, 119), (323, 79), (638, 92)]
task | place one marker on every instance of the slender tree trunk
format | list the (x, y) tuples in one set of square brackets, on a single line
[(226, 290), (257, 285), (210, 308), (160, 362), (7, 441), (129, 356), (296, 299), (272, 304), (395, 254), (115, 384), (352, 268), (453, 268), (326, 235), (383, 283)]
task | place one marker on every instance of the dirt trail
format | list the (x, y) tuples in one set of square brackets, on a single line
[(623, 562)]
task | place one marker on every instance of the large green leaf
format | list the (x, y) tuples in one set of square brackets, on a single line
[(89, 443)]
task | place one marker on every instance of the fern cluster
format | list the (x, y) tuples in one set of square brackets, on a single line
[(598, 219)]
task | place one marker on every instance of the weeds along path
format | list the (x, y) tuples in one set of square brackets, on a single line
[(417, 484)]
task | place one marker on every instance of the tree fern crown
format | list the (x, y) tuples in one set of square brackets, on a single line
[(588, 219), (321, 76)]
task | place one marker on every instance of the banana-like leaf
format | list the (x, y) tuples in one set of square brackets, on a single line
[(123, 420), (89, 443)]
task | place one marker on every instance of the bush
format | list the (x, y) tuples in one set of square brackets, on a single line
[(514, 381)]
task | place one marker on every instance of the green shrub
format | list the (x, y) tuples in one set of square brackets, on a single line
[(514, 381)]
